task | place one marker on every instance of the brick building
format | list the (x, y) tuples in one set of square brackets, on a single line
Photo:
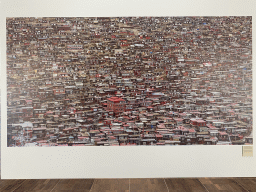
[(116, 104)]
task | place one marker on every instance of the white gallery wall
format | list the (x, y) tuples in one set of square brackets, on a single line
[(120, 162)]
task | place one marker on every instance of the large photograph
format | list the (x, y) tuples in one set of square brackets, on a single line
[(124, 81)]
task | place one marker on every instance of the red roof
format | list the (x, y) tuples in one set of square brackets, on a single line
[(160, 143), (161, 126), (223, 133), (115, 99), (191, 130), (200, 121)]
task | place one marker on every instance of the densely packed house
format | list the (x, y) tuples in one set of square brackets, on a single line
[(129, 81)]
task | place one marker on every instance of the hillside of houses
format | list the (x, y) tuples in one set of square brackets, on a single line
[(129, 81)]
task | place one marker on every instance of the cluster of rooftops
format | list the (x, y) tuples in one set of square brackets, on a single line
[(129, 81)]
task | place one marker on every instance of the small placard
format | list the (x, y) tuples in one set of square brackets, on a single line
[(247, 151)]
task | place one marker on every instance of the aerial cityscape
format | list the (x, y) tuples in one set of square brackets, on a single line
[(124, 81)]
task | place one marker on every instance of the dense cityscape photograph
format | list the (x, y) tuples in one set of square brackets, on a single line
[(126, 81)]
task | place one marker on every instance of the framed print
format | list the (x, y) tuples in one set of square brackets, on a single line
[(127, 90)]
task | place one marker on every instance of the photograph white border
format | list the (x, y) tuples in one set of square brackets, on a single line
[(120, 162)]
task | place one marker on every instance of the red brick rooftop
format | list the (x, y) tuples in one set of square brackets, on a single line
[(115, 99)]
